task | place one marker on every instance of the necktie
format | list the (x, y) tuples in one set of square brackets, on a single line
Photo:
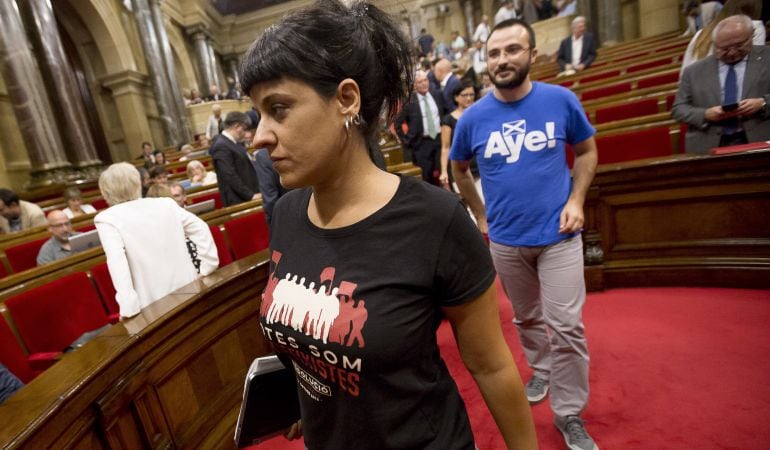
[(731, 96), (429, 117)]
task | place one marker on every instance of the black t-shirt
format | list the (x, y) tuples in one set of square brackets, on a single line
[(356, 309)]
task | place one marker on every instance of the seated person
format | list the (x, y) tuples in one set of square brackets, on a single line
[(58, 246), (18, 215), (186, 149), (75, 206), (578, 51), (147, 155), (9, 384), (178, 194), (195, 97), (160, 158), (198, 175), (159, 175)]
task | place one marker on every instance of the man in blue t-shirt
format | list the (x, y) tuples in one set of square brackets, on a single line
[(534, 214)]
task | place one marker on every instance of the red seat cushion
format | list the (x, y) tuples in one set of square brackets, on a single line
[(628, 110), (634, 145), (100, 273), (100, 204), (657, 80), (24, 256), (248, 234), (216, 196), (605, 91), (225, 257), (50, 317), (12, 355), (599, 76), (648, 65)]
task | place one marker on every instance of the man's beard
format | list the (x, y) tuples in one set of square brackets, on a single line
[(518, 77)]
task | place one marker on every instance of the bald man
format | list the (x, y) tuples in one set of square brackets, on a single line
[(723, 97), (448, 80), (58, 246)]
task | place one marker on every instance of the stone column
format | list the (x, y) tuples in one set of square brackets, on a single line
[(610, 22), (60, 79), (127, 89), (231, 64), (157, 68), (469, 25), (168, 60), (590, 10), (202, 55), (214, 68), (30, 102), (658, 17)]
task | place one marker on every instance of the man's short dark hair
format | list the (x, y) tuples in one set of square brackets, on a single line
[(156, 171), (8, 197), (146, 143), (234, 118), (512, 23)]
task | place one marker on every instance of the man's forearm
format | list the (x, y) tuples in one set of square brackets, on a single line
[(464, 179), (583, 173)]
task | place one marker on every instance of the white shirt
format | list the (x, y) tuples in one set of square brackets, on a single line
[(479, 59), (87, 209), (481, 33), (577, 50), (433, 113), (504, 14), (144, 242)]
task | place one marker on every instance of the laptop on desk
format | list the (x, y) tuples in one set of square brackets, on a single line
[(202, 207), (84, 241)]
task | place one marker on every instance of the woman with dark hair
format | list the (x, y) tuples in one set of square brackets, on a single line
[(464, 95), (365, 264)]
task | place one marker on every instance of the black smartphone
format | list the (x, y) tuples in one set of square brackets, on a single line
[(729, 107)]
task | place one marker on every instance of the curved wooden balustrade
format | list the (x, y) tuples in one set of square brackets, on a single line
[(684, 220), (170, 377)]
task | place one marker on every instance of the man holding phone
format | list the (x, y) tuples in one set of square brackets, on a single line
[(723, 97)]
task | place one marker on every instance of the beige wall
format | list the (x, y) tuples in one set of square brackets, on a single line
[(658, 17)]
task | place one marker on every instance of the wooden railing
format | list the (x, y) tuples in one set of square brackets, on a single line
[(170, 377)]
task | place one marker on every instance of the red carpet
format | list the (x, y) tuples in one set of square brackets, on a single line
[(671, 368)]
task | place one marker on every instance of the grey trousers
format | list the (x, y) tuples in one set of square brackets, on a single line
[(547, 290)]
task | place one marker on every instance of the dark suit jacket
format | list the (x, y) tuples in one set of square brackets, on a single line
[(412, 116), (451, 85), (235, 173), (699, 89), (587, 56)]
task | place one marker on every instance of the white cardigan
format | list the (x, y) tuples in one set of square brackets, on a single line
[(144, 241)]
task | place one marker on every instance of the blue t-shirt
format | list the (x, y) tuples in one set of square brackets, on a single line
[(519, 149)]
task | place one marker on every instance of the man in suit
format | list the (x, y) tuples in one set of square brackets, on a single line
[(449, 81), (235, 174), (723, 97), (578, 51), (422, 115), (18, 215)]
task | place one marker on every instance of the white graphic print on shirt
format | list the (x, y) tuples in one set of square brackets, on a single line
[(514, 136), (324, 313)]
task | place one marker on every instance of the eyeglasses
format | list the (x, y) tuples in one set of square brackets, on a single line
[(512, 50), (736, 47), (60, 225), (471, 95)]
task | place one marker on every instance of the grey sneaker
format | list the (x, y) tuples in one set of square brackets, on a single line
[(537, 389), (575, 435)]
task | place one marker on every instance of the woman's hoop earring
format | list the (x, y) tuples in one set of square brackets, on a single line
[(356, 120), (347, 124)]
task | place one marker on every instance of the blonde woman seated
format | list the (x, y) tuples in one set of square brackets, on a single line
[(144, 241), (198, 175), (75, 206)]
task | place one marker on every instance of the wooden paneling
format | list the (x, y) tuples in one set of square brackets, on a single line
[(683, 220), (170, 377)]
